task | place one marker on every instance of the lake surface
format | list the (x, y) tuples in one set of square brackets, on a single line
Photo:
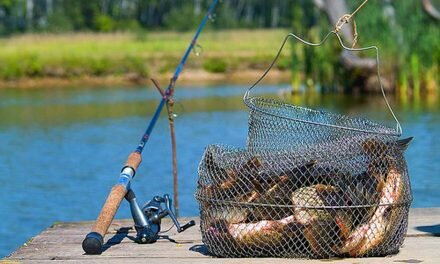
[(61, 150)]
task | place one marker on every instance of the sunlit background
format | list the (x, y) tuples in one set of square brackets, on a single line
[(75, 95)]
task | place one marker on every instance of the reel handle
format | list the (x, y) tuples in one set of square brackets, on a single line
[(94, 240), (186, 226)]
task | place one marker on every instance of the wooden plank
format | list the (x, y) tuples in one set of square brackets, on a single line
[(127, 250), (74, 232), (424, 221), (63, 242), (415, 250)]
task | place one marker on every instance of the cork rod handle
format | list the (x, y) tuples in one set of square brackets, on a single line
[(93, 242), (134, 160), (109, 210)]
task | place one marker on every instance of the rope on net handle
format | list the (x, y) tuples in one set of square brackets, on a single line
[(347, 17), (343, 20)]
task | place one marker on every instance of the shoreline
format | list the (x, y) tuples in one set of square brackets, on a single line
[(189, 76)]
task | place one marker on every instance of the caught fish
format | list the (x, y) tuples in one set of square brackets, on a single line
[(306, 199), (274, 232), (324, 228), (378, 148), (323, 237), (264, 233), (235, 181), (228, 214), (329, 207), (276, 190), (272, 195), (369, 235)]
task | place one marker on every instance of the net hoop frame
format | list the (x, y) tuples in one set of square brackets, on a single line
[(249, 101)]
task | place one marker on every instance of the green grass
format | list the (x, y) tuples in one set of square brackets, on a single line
[(414, 65), (215, 65), (410, 46), (72, 55)]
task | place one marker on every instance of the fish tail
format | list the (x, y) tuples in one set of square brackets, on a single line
[(404, 143)]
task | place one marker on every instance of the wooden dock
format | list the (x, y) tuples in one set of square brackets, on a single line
[(62, 242)]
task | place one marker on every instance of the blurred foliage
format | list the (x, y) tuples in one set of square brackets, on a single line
[(407, 37), (57, 22), (103, 23), (215, 65), (182, 19), (105, 15)]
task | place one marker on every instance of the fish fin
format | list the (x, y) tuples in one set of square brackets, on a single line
[(344, 229), (404, 143)]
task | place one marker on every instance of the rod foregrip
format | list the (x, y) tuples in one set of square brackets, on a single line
[(134, 160), (93, 242)]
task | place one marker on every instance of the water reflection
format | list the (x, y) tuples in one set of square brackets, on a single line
[(56, 107)]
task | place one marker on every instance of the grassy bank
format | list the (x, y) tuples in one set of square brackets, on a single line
[(30, 58), (91, 59)]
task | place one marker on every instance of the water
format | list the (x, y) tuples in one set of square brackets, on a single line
[(61, 150)]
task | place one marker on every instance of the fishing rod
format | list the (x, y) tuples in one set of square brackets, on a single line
[(94, 240)]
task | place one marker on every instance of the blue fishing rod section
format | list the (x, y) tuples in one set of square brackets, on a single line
[(179, 69)]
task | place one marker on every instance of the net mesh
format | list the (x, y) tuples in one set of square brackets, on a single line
[(309, 184)]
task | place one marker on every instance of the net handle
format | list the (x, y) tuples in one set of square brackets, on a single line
[(247, 96)]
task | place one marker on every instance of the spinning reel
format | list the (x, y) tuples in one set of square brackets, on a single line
[(147, 220)]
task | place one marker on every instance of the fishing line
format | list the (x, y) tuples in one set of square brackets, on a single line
[(177, 72)]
